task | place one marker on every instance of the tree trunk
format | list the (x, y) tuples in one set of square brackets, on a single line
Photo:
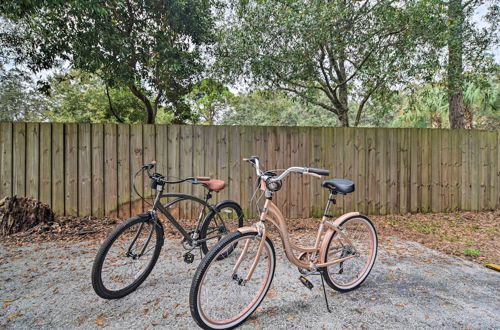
[(149, 107), (455, 65), (343, 117)]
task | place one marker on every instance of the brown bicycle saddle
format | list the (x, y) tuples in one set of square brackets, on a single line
[(212, 184)]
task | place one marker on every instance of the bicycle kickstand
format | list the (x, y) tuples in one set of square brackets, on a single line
[(324, 292)]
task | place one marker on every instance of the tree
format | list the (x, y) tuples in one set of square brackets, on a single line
[(151, 47), (271, 108), (19, 96), (465, 38), (209, 98), (345, 50), (82, 97)]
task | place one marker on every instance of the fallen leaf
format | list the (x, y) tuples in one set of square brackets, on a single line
[(291, 317), (373, 298), (145, 311), (8, 300), (165, 315), (13, 316)]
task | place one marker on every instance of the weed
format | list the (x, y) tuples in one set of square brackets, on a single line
[(472, 252), (423, 227)]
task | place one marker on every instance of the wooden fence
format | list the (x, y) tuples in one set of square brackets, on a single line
[(87, 169)]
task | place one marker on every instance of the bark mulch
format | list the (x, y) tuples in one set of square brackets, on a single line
[(471, 235)]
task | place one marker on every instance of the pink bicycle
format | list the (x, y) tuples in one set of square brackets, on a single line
[(234, 277)]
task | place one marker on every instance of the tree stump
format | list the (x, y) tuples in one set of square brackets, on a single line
[(19, 214)]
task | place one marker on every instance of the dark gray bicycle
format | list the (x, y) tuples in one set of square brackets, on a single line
[(129, 253)]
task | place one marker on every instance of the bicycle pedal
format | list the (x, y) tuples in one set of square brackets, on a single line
[(306, 282), (188, 258)]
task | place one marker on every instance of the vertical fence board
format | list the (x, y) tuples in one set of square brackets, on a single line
[(123, 171), (371, 149), (136, 162), (223, 160), (234, 164), (426, 171), (71, 169), (19, 158), (484, 170), (84, 170), (186, 165), (57, 161), (46, 163), (393, 202), (455, 170), (272, 151), (111, 169), (246, 170), (149, 154), (172, 157), (465, 171), (199, 158), (404, 171), (6, 160), (475, 170), (445, 169), (335, 172), (32, 160), (493, 182), (415, 164), (381, 165), (97, 179), (436, 170)]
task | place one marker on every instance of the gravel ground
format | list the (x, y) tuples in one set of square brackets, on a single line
[(47, 285)]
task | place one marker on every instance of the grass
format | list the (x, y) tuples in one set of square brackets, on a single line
[(472, 252)]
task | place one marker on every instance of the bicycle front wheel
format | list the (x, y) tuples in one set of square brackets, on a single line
[(127, 257), (348, 275), (220, 296)]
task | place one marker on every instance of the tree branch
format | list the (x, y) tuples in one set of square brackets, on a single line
[(111, 109)]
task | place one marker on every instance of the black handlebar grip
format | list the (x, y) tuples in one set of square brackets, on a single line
[(319, 171)]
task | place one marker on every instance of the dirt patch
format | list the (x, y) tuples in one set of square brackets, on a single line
[(74, 229)]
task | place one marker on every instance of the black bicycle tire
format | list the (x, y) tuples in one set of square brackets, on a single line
[(324, 270), (203, 267), (212, 214), (97, 282)]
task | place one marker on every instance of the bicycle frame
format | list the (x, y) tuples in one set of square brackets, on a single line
[(163, 209), (327, 229)]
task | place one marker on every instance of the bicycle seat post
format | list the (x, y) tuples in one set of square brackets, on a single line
[(331, 199)]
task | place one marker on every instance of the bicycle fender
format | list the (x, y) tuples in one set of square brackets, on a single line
[(228, 201), (248, 229), (148, 215)]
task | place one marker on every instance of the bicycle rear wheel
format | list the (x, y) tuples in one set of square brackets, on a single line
[(348, 275), (220, 298), (126, 257), (216, 225)]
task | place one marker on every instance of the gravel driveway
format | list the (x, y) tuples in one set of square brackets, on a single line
[(411, 286)]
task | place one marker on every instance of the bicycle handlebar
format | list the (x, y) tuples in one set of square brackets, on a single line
[(254, 160)]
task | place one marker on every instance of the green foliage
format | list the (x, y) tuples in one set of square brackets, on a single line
[(271, 108), (151, 47), (209, 98), (472, 252), (19, 97), (344, 50), (81, 97)]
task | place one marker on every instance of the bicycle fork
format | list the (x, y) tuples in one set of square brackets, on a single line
[(262, 235)]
